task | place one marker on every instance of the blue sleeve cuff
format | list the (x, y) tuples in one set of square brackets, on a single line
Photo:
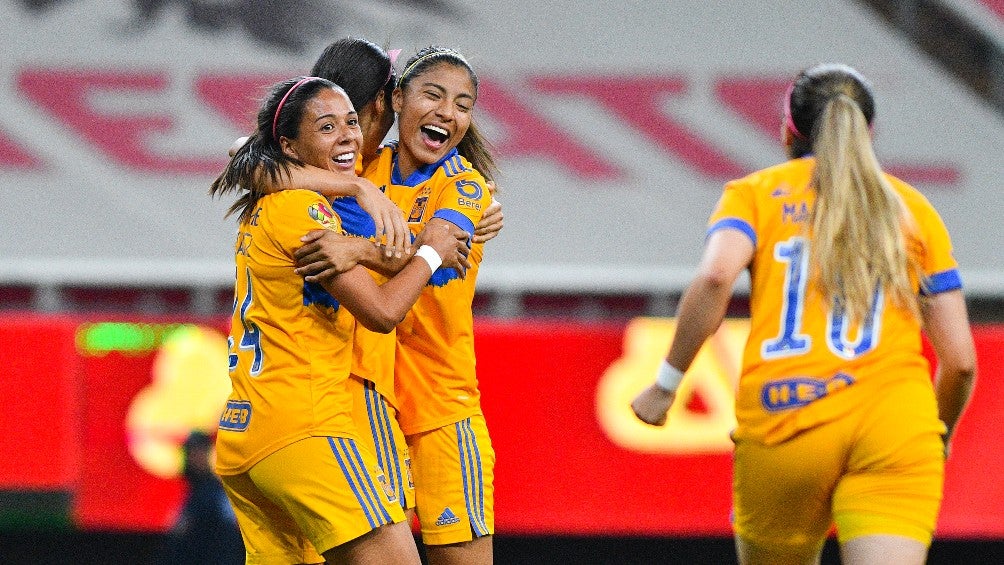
[(733, 223), (456, 218), (941, 282)]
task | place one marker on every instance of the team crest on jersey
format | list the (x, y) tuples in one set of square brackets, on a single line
[(418, 209), (323, 215), (388, 489)]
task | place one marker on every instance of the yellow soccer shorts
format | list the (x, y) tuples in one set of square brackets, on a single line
[(454, 469), (376, 422), (307, 498), (878, 470)]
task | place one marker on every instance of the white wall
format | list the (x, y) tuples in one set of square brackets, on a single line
[(81, 213)]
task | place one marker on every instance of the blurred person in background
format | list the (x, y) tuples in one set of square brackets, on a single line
[(206, 532), (838, 421), (303, 487)]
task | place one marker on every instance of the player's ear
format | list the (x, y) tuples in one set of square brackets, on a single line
[(287, 147), (397, 99)]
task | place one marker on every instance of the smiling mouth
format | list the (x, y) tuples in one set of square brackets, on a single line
[(344, 158), (436, 134)]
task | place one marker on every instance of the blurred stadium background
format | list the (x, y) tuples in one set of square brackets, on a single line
[(616, 124)]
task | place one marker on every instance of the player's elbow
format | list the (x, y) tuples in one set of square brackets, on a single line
[(715, 279), (383, 321), (960, 370)]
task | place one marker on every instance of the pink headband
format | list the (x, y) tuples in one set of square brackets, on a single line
[(275, 120), (789, 123), (393, 54)]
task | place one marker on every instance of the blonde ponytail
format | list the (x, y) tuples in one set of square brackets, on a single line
[(857, 225)]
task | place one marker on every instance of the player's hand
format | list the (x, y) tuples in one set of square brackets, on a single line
[(450, 242), (652, 405), (237, 144), (324, 254), (492, 222), (387, 217)]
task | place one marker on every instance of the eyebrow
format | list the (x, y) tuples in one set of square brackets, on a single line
[(441, 89), (325, 116)]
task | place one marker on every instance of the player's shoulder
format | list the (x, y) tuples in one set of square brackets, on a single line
[(292, 197), (780, 180), (456, 165), (288, 206), (910, 195)]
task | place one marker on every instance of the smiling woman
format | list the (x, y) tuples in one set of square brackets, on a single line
[(436, 174), (303, 488)]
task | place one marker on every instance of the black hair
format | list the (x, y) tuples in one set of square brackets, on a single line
[(362, 68), (262, 155), (812, 91)]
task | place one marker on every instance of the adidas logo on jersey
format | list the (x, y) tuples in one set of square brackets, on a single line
[(447, 518)]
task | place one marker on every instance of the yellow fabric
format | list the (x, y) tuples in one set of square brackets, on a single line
[(798, 364), (877, 470), (435, 382), (376, 420), (308, 497), (454, 473), (290, 342)]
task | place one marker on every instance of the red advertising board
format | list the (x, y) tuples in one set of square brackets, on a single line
[(98, 409)]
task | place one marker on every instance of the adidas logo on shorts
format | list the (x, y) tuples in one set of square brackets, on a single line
[(447, 518)]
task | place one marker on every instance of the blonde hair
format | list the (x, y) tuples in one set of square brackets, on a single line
[(857, 225)]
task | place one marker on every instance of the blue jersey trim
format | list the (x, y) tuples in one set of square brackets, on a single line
[(421, 174), (314, 293), (942, 282), (733, 223), (444, 275), (355, 220), (457, 219)]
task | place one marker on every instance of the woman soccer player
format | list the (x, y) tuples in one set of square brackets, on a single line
[(837, 417), (434, 173), (303, 487)]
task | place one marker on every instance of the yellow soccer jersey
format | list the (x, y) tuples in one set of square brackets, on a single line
[(372, 352), (435, 380), (290, 342), (803, 363)]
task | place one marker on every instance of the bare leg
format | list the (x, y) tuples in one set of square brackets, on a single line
[(752, 554), (883, 550), (392, 544), (475, 552)]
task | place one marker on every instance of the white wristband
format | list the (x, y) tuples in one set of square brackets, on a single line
[(430, 255), (669, 377)]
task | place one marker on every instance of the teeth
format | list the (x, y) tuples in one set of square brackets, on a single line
[(345, 157), (438, 130)]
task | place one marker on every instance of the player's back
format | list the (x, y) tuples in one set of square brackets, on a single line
[(802, 348)]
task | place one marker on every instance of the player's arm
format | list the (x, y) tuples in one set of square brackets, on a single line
[(387, 217), (702, 308), (326, 253), (946, 324), (381, 307)]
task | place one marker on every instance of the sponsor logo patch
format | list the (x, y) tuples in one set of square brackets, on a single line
[(795, 392), (236, 416)]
